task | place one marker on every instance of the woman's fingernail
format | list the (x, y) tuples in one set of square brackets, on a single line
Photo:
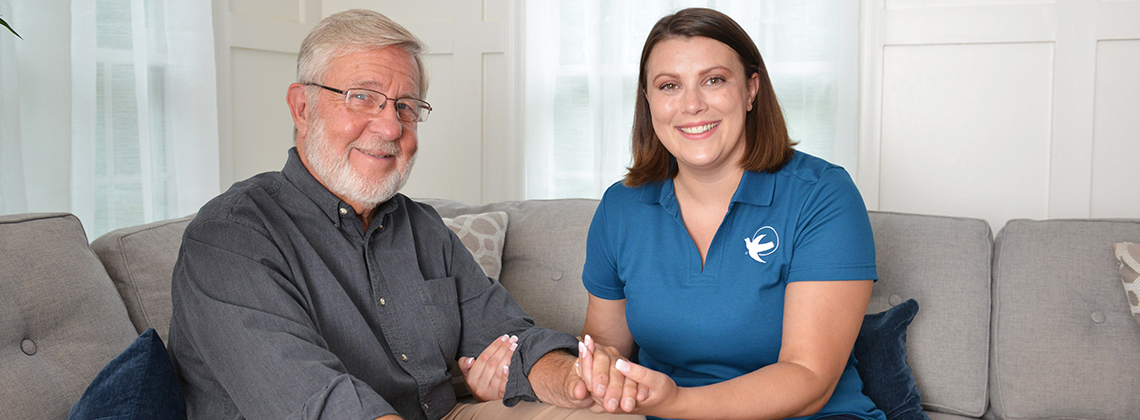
[(505, 370), (627, 404), (514, 339), (514, 346), (581, 349), (622, 366), (611, 405)]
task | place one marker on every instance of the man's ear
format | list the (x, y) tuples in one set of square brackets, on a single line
[(298, 101)]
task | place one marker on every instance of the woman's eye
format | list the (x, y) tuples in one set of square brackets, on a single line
[(668, 86), (716, 80)]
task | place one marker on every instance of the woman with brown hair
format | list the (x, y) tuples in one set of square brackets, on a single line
[(734, 269)]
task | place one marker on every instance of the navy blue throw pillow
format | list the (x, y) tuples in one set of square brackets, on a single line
[(880, 355), (139, 383)]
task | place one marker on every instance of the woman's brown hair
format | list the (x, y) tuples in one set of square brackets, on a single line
[(767, 145)]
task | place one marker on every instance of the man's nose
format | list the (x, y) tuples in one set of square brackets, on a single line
[(387, 123)]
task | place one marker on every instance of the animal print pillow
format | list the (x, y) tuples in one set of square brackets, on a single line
[(1129, 256), (483, 234)]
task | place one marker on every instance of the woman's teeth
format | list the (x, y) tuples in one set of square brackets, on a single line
[(698, 129)]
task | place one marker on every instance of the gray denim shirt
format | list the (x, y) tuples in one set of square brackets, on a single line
[(284, 307)]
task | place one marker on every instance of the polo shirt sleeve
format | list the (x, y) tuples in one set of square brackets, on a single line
[(834, 240), (245, 322), (600, 273)]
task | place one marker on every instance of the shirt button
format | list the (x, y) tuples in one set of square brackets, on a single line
[(426, 407), (383, 302), (343, 211), (381, 227), (404, 357)]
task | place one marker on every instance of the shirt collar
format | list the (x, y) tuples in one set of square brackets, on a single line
[(756, 188)]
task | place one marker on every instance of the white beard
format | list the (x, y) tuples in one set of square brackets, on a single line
[(341, 178)]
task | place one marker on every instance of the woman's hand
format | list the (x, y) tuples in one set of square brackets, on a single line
[(486, 375), (611, 390), (653, 390)]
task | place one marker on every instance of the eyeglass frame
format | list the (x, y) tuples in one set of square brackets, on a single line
[(422, 116)]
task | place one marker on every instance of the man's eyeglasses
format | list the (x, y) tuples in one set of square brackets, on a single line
[(367, 101)]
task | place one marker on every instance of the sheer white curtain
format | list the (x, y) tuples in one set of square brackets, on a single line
[(581, 78), (142, 106)]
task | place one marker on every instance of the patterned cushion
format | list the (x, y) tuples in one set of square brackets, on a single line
[(483, 234), (1129, 256)]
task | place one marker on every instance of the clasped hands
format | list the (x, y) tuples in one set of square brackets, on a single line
[(618, 385), (613, 383)]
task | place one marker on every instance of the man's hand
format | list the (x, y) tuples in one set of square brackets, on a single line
[(486, 375), (555, 381), (610, 389)]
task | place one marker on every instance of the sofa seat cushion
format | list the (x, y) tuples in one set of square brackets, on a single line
[(943, 262), (60, 317), (140, 260), (1065, 343)]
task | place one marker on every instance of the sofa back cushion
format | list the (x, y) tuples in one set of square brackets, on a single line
[(944, 264), (140, 260), (543, 255), (1065, 343), (60, 317)]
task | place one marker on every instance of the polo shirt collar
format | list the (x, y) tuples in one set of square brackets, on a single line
[(756, 188)]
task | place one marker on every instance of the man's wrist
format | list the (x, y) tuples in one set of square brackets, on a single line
[(549, 376)]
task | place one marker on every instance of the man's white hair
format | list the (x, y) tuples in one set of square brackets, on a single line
[(353, 31)]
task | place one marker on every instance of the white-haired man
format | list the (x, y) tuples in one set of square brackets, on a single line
[(320, 292)]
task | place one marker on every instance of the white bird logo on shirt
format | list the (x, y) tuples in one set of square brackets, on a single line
[(756, 248)]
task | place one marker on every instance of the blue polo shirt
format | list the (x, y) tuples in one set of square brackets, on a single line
[(805, 222)]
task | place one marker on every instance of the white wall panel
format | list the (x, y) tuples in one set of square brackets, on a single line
[(896, 4), (263, 129), (1116, 143), (966, 130), (1000, 109)]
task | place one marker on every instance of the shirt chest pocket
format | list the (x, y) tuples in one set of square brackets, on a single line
[(442, 306)]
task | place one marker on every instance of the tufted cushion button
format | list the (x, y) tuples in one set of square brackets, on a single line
[(895, 300), (28, 346), (1098, 317), (556, 276)]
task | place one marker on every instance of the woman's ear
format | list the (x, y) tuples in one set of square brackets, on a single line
[(753, 87)]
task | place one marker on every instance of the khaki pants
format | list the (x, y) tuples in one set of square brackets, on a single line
[(494, 410)]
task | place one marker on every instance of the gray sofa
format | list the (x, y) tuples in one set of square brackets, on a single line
[(1030, 325)]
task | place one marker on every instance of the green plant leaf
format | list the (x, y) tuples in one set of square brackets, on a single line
[(2, 22)]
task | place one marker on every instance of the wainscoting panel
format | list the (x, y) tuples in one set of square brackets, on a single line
[(1116, 140), (959, 121)]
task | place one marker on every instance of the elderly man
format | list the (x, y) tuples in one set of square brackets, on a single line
[(319, 292)]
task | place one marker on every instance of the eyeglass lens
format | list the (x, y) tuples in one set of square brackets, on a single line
[(370, 102)]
